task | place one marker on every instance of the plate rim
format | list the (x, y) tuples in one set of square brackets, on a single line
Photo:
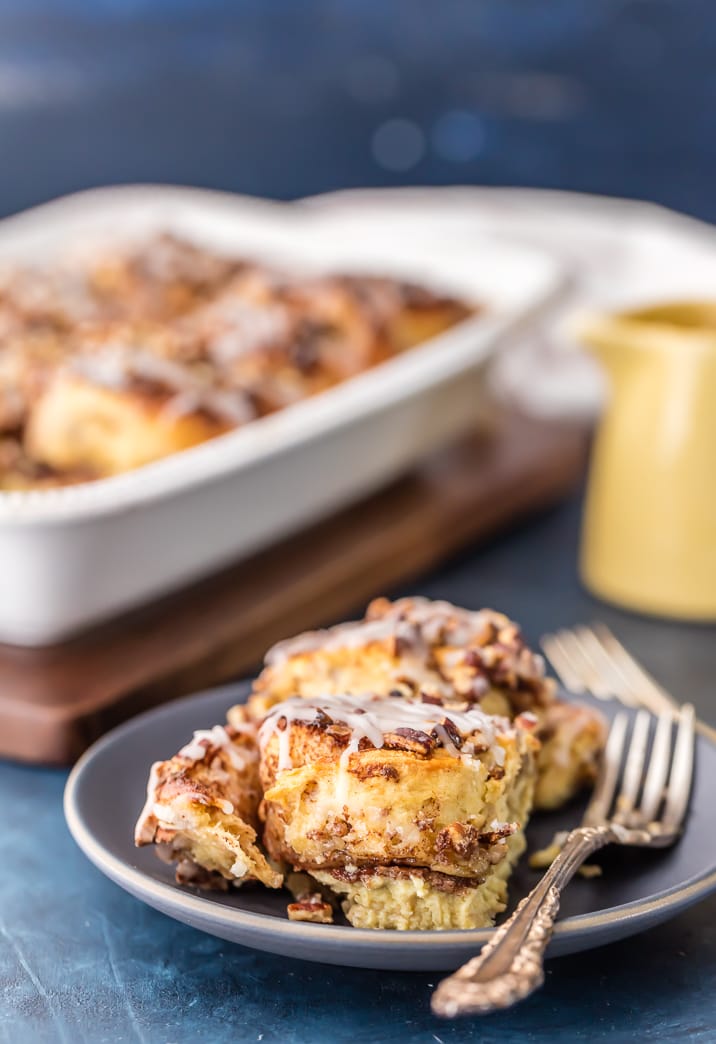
[(121, 873)]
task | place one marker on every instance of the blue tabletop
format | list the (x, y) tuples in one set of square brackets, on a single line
[(81, 961)]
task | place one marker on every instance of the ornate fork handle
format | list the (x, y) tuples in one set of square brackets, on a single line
[(511, 965)]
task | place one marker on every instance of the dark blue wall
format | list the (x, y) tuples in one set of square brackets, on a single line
[(288, 97)]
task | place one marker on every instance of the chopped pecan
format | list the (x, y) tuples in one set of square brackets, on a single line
[(425, 697), (334, 826), (426, 816), (453, 732), (459, 838), (366, 771), (410, 684), (498, 833), (413, 740), (310, 908)]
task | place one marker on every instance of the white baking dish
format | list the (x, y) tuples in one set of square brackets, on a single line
[(72, 557)]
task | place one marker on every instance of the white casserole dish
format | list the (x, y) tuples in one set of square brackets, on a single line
[(72, 557)]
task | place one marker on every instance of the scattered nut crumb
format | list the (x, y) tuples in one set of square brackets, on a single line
[(311, 908)]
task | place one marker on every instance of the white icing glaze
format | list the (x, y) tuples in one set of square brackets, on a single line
[(116, 365), (418, 621), (239, 867), (234, 407), (243, 327), (146, 825), (354, 635), (371, 718), (205, 740)]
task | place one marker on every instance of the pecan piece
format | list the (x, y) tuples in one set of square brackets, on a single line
[(453, 732), (498, 833), (310, 908), (460, 839), (366, 771), (413, 740)]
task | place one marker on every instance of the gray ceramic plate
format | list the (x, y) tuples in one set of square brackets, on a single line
[(106, 790)]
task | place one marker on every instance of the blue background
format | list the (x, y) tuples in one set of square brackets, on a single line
[(285, 98)]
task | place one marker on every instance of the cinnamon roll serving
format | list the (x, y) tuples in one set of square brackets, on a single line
[(411, 813), (417, 647), (201, 809), (386, 767)]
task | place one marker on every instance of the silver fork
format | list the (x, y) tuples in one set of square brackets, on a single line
[(644, 813), (592, 659)]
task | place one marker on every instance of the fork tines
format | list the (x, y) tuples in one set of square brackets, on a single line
[(653, 775), (651, 785), (593, 660)]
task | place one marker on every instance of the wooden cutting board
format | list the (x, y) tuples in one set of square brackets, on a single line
[(55, 701)]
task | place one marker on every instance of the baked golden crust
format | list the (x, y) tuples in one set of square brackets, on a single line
[(411, 646), (201, 810), (161, 280), (416, 647), (360, 790), (112, 363), (410, 815), (79, 423)]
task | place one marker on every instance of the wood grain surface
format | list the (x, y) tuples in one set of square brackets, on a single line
[(55, 701)]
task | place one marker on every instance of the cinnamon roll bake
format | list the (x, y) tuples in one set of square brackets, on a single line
[(111, 363), (202, 809), (387, 767), (416, 647), (411, 813)]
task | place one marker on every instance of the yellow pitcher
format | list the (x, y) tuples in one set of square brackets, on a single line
[(649, 536)]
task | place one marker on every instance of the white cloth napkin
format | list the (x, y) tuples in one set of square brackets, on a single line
[(616, 254)]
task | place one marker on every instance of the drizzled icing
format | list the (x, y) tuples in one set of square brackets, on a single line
[(204, 740), (418, 626), (243, 327), (372, 718), (117, 365), (234, 407), (146, 824), (114, 365), (417, 622)]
